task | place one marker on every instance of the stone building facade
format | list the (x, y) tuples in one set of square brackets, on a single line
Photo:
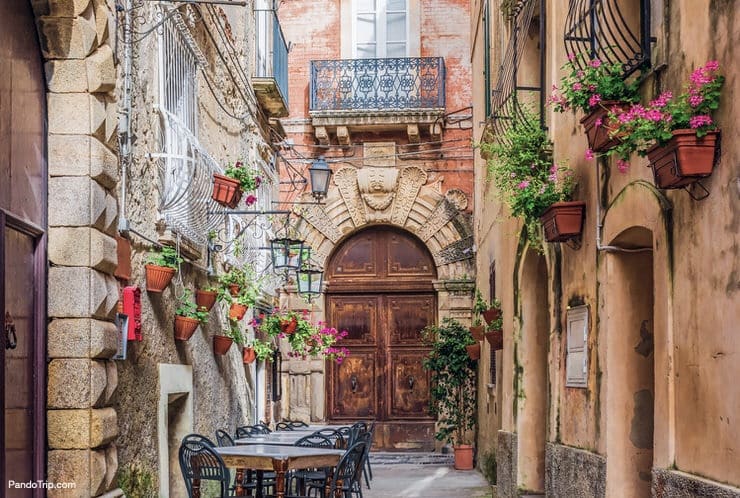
[(115, 114), (652, 282), (380, 90)]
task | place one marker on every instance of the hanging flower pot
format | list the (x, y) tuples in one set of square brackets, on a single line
[(234, 289), (684, 159), (205, 299), (477, 332), (248, 355), (221, 344), (491, 315), (185, 327), (237, 311), (226, 191), (598, 125), (158, 277), (288, 326), (563, 220), (473, 351), (495, 339)]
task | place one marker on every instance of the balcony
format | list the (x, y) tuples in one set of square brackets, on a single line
[(377, 94), (270, 80)]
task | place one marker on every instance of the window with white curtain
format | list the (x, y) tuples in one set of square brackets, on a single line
[(381, 28)]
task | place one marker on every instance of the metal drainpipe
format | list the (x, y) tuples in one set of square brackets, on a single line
[(600, 223), (124, 126)]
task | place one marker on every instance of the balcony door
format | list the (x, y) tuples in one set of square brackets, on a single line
[(380, 290), (380, 29)]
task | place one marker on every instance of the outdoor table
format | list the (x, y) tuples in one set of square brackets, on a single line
[(282, 439), (278, 458)]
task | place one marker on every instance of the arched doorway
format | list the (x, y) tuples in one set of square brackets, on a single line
[(379, 289), (22, 247)]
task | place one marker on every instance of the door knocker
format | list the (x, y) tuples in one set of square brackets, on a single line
[(411, 381), (353, 383), (11, 340)]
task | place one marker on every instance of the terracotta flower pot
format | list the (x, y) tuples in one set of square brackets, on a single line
[(496, 339), (185, 327), (158, 277), (477, 332), (288, 326), (234, 289), (563, 220), (598, 136), (226, 191), (463, 457), (237, 311), (684, 159), (473, 351), (491, 315), (221, 344), (205, 299), (248, 355)]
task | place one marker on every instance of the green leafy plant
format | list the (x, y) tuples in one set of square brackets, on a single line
[(263, 350), (189, 309), (453, 381), (165, 256), (585, 88), (641, 127), (250, 286), (235, 333), (136, 481), (305, 338), (488, 466), (247, 177), (523, 171)]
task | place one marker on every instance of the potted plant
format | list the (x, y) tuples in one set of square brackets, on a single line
[(305, 339), (473, 350), (229, 187), (262, 350), (161, 266), (188, 317), (676, 133), (205, 298), (495, 332), (222, 343), (595, 87), (453, 393), (479, 306), (233, 280), (239, 305), (530, 182)]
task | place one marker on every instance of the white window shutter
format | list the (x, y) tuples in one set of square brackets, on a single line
[(577, 347)]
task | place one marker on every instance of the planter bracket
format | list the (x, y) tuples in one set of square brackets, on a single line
[(697, 191)]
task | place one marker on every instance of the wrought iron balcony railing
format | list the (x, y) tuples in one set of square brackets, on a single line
[(409, 83), (611, 31), (272, 51)]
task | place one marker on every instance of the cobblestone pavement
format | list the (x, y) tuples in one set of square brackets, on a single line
[(425, 480)]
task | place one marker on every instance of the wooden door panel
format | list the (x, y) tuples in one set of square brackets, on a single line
[(358, 315), (409, 386), (407, 316), (357, 258), (407, 257), (354, 387)]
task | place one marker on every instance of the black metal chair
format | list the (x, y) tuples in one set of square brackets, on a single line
[(223, 438), (249, 431), (284, 426), (200, 462), (360, 426), (301, 477), (345, 480), (332, 434), (297, 423), (367, 438), (264, 427), (346, 433)]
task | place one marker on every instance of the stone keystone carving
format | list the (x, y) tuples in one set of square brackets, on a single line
[(454, 201), (346, 180), (377, 186), (410, 182)]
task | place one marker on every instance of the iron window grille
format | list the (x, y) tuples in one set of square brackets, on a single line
[(510, 96), (599, 28), (403, 83)]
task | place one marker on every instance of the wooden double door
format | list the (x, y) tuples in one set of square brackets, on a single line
[(380, 293)]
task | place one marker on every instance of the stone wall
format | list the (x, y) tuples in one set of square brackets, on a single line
[(676, 484), (506, 465), (574, 473)]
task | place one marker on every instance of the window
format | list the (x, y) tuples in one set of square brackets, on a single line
[(178, 82), (380, 29), (577, 347)]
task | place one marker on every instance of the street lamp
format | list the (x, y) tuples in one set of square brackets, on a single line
[(286, 253), (309, 281), (320, 176)]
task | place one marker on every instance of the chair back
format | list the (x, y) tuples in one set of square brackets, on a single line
[(200, 462), (263, 427), (249, 431), (349, 467), (332, 434), (315, 441), (284, 426), (223, 438), (347, 437), (360, 426), (297, 423)]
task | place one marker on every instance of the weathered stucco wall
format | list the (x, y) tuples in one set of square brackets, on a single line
[(694, 273)]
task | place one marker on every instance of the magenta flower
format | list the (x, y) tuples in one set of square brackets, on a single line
[(595, 99), (257, 181), (571, 57), (595, 63), (623, 166), (695, 100), (577, 87), (589, 155), (598, 123), (523, 184), (700, 120), (251, 199)]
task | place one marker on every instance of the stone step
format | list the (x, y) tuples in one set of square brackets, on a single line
[(417, 458)]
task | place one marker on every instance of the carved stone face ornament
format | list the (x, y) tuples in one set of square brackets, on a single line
[(377, 186)]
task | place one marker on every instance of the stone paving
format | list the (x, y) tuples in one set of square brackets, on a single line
[(423, 475)]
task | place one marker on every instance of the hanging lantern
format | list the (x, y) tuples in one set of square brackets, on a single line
[(287, 254), (309, 281), (320, 176)]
